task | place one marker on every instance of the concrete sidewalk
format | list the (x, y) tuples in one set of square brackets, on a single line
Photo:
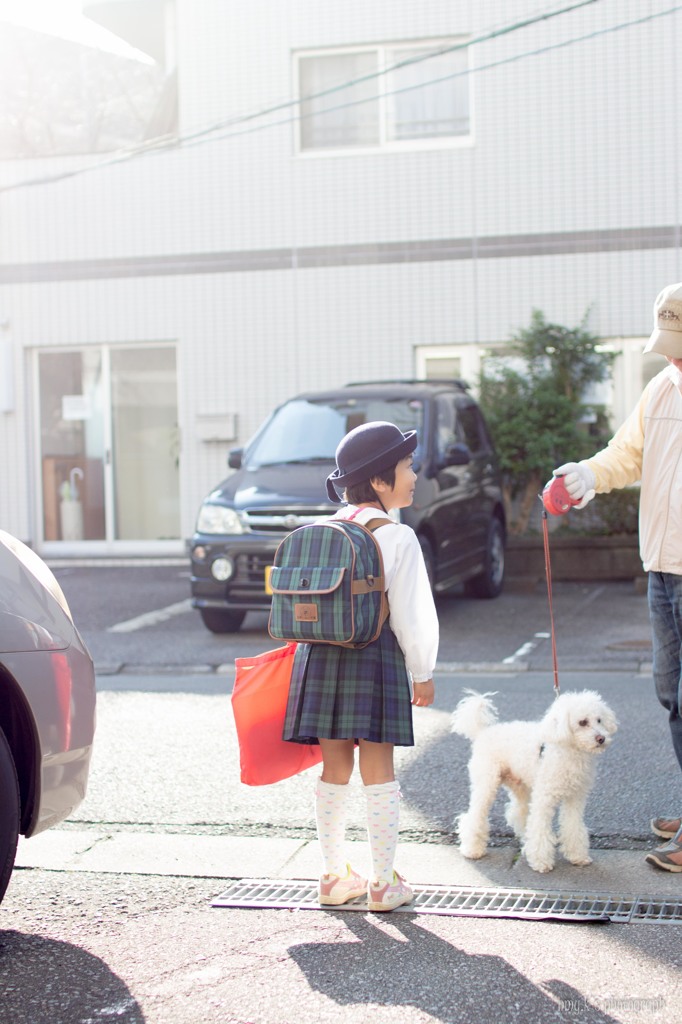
[(230, 857)]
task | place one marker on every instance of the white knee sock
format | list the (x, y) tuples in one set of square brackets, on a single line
[(383, 819), (330, 814)]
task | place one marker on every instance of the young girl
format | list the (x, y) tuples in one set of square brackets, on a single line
[(340, 696)]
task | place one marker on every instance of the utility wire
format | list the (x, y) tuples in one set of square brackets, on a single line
[(463, 44), (217, 132), (435, 81), (164, 143)]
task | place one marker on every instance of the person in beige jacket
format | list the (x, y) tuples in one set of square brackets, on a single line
[(648, 448)]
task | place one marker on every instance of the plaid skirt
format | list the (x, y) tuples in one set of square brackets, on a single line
[(340, 694)]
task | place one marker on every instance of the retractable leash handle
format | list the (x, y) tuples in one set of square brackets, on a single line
[(556, 499)]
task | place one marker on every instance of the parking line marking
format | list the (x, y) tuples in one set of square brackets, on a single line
[(522, 651), (151, 618)]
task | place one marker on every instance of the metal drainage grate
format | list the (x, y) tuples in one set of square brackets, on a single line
[(469, 902)]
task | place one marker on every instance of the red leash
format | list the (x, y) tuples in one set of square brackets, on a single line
[(548, 574)]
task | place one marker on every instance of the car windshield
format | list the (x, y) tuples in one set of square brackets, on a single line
[(309, 431)]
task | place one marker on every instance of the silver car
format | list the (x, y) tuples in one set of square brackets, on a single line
[(47, 702)]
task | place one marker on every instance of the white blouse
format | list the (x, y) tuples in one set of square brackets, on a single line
[(413, 613)]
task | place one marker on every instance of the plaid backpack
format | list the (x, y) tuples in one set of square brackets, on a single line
[(327, 584)]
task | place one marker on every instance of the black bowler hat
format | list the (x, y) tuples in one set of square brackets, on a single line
[(366, 451)]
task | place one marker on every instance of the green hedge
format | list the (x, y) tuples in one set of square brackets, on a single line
[(610, 514)]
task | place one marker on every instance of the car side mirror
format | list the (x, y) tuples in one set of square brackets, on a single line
[(456, 455), (234, 458)]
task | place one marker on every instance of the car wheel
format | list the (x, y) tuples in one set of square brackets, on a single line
[(489, 583), (429, 559), (219, 621), (9, 813)]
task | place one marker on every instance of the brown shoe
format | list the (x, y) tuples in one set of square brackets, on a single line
[(666, 827), (668, 857)]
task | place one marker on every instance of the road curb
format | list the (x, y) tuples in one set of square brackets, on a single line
[(234, 857), (226, 669)]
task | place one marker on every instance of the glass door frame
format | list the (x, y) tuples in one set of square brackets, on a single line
[(109, 545)]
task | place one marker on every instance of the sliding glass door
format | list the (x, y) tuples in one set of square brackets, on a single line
[(109, 445)]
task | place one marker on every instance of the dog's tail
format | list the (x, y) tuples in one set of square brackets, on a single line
[(474, 713)]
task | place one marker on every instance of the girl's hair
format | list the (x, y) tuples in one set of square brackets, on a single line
[(363, 492)]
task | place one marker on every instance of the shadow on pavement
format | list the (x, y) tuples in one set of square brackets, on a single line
[(43, 981), (420, 969)]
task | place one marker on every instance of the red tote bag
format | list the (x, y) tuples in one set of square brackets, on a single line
[(259, 702)]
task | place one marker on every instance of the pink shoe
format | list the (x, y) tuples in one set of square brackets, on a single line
[(338, 889), (389, 895)]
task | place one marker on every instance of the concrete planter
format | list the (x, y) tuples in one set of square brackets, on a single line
[(574, 558)]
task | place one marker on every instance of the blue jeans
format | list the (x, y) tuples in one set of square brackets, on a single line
[(665, 610)]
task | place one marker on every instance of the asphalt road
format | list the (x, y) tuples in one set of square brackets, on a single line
[(139, 618), (167, 758), (81, 948), (163, 704), (80, 945)]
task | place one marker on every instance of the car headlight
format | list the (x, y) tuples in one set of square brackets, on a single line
[(218, 519), (222, 569)]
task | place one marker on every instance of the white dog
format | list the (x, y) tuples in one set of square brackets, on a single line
[(543, 765)]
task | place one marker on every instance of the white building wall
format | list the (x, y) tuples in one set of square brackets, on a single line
[(573, 141)]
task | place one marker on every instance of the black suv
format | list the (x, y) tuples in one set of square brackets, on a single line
[(457, 511)]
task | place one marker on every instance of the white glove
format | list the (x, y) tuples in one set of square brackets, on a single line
[(579, 481)]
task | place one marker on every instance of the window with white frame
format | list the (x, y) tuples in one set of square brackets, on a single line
[(448, 362), (383, 96), (619, 394)]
